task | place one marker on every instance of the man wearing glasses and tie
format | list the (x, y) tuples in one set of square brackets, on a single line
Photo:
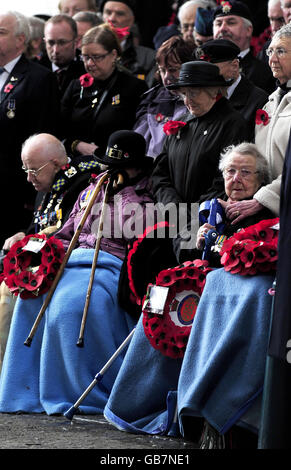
[(60, 36)]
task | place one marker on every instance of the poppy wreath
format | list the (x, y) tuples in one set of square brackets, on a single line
[(252, 250), (29, 274), (170, 331)]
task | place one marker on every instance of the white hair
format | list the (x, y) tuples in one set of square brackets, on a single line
[(191, 3), (22, 25)]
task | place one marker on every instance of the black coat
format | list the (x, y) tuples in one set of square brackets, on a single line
[(258, 72), (64, 77), (187, 166), (139, 60), (35, 98), (104, 108), (247, 99)]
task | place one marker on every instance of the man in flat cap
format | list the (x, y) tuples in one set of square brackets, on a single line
[(233, 20), (243, 95), (140, 60)]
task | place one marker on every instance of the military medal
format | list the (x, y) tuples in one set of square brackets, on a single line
[(71, 172), (11, 106), (115, 100), (94, 102)]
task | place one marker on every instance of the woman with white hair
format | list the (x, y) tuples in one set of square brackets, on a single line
[(273, 125)]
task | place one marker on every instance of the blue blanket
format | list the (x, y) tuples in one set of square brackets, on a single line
[(51, 374), (223, 369), (221, 374)]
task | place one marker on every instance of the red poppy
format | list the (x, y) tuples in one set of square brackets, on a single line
[(8, 88), (262, 117), (205, 57), (159, 117), (173, 127), (86, 80), (29, 273)]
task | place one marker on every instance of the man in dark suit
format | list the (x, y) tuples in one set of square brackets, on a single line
[(28, 104), (233, 21), (61, 36), (243, 95)]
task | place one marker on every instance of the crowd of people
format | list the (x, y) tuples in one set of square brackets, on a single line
[(124, 129)]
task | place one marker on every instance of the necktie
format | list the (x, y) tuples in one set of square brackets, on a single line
[(61, 74)]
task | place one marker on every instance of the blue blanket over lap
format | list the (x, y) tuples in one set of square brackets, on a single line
[(51, 374), (222, 371)]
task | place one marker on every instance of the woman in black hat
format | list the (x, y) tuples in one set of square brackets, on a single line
[(189, 162), (103, 100)]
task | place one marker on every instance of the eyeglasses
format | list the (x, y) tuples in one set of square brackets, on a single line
[(278, 19), (186, 26), (58, 42), (34, 173), (94, 58), (245, 174), (279, 52)]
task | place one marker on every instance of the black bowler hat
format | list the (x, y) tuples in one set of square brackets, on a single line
[(124, 149), (204, 22), (130, 3), (231, 7), (199, 74), (217, 50)]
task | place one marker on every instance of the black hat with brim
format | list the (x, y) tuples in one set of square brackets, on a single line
[(125, 149), (200, 74)]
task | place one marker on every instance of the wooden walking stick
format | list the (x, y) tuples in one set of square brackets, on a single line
[(80, 342), (65, 260)]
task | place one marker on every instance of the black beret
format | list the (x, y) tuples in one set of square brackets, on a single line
[(231, 7), (204, 22), (217, 50)]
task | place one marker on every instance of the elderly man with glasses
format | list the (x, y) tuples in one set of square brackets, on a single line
[(60, 36)]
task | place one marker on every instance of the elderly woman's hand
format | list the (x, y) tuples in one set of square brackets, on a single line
[(201, 235), (86, 149), (239, 210)]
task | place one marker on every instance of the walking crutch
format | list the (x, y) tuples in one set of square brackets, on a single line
[(98, 377), (80, 342)]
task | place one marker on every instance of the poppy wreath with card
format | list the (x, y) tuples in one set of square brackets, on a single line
[(252, 250), (30, 266), (169, 332)]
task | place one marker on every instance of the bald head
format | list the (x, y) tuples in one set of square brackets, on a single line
[(44, 154)]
